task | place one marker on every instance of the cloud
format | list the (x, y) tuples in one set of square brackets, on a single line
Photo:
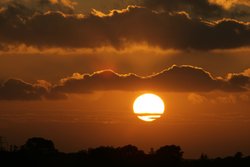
[(66, 6), (241, 79), (196, 98), (118, 29), (230, 99), (174, 79), (218, 98), (197, 7), (228, 4), (16, 89), (203, 8), (99, 81)]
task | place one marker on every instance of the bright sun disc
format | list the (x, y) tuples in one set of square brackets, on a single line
[(148, 107)]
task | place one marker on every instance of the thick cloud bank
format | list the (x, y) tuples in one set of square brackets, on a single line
[(119, 28), (173, 79)]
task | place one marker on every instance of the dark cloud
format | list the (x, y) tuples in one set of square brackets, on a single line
[(239, 80), (120, 28), (16, 89), (194, 7), (66, 6), (27, 7), (174, 79), (99, 81), (201, 8)]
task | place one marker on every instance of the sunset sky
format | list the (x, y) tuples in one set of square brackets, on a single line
[(70, 71)]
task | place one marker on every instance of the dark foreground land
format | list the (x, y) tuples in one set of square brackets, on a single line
[(39, 152)]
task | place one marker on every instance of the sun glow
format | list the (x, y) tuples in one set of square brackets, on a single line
[(148, 107)]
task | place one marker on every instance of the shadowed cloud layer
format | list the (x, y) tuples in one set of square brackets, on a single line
[(203, 8), (173, 79), (16, 89), (119, 28), (66, 6)]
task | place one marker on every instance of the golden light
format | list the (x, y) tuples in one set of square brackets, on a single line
[(148, 107)]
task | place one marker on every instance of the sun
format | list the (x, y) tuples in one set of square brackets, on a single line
[(148, 107)]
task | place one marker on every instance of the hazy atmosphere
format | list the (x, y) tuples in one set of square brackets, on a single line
[(70, 71)]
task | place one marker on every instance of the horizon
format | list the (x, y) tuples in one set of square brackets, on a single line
[(12, 148)]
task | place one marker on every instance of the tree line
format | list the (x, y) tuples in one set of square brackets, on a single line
[(40, 152)]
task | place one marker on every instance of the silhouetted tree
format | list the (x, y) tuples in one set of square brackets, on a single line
[(39, 145), (238, 155), (130, 151), (102, 151), (152, 151), (3, 143), (40, 152), (203, 157), (102, 155), (13, 148), (170, 154)]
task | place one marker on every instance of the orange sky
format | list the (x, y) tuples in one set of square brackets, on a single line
[(71, 74), (216, 125)]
